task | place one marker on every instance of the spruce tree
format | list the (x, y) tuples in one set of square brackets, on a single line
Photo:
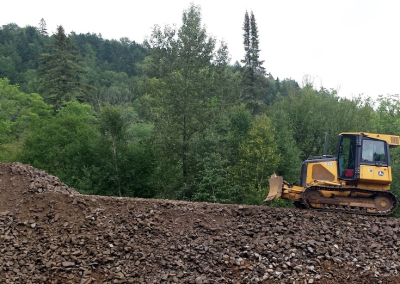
[(59, 72), (246, 41), (42, 27), (253, 79), (256, 63)]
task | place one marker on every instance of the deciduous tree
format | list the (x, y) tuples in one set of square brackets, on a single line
[(185, 63), (258, 158), (63, 144), (19, 113)]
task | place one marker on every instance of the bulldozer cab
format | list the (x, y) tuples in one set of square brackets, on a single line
[(356, 151)]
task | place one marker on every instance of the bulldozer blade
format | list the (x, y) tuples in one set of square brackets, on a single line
[(275, 187)]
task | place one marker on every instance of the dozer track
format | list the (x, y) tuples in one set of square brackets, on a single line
[(379, 203)]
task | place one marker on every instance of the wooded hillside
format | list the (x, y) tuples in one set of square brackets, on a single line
[(170, 117)]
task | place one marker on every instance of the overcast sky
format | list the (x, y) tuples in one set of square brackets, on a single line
[(349, 45)]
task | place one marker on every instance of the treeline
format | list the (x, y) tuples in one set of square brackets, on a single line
[(111, 67), (169, 118)]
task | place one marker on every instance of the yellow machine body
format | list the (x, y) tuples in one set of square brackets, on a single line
[(351, 182)]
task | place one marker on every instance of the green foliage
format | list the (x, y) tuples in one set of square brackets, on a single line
[(212, 154), (183, 63), (59, 72), (7, 68), (113, 127), (253, 80), (115, 88), (63, 144), (309, 114), (290, 162), (170, 118), (126, 164), (251, 43), (258, 157), (214, 181), (43, 27), (128, 172), (387, 115), (19, 52), (21, 49), (119, 56), (94, 155), (19, 113), (395, 186), (256, 63), (387, 120), (240, 123)]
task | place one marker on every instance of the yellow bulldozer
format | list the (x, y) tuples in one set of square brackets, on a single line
[(356, 180)]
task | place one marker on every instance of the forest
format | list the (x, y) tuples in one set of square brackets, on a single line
[(170, 117)]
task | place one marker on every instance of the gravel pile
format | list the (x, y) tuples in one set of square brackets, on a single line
[(49, 233)]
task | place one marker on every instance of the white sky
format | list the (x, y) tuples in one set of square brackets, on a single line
[(349, 45)]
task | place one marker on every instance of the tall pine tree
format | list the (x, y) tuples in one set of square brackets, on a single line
[(253, 73), (43, 27), (256, 63), (59, 72), (246, 41)]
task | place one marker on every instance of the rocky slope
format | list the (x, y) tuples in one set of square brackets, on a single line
[(50, 233)]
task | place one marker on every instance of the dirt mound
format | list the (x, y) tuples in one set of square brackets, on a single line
[(49, 233)]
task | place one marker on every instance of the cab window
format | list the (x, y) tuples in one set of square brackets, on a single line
[(373, 151), (347, 156)]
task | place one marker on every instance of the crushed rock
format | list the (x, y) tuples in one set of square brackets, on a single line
[(49, 233)]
